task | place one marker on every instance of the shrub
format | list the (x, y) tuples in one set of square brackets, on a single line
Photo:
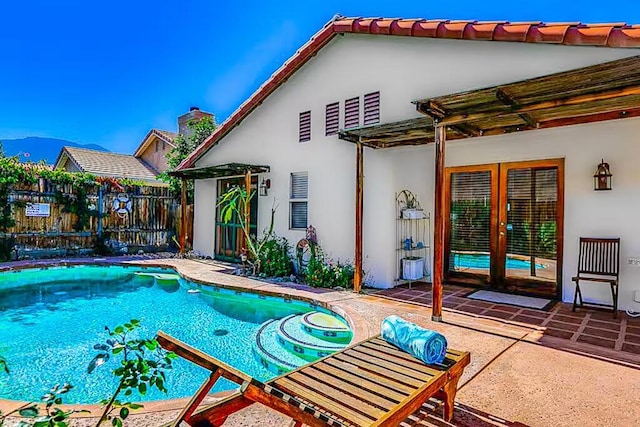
[(328, 274), (274, 258)]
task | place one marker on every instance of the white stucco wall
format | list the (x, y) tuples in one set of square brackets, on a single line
[(404, 69)]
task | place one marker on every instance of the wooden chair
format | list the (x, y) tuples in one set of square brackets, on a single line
[(371, 383), (598, 261)]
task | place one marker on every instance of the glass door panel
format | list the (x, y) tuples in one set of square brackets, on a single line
[(532, 200), (229, 235), (470, 222), (530, 226)]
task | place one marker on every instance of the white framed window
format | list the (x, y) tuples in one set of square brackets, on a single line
[(298, 201)]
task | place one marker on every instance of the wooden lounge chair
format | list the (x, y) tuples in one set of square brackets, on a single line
[(371, 383)]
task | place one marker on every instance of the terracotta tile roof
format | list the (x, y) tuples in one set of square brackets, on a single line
[(618, 35), (103, 163)]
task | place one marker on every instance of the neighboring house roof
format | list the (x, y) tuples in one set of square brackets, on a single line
[(573, 33), (103, 163), (164, 135)]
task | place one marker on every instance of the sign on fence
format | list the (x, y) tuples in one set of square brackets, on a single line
[(38, 209)]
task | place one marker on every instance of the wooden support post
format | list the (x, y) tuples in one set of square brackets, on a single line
[(438, 228), (183, 218), (357, 275), (246, 215)]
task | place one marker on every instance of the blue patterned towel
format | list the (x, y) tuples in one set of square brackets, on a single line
[(424, 344)]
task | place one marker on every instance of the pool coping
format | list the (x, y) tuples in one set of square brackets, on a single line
[(284, 290)]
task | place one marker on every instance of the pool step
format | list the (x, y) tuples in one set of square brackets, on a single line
[(295, 339), (326, 327), (270, 354), (284, 344)]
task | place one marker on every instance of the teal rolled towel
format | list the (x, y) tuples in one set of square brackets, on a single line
[(424, 344)]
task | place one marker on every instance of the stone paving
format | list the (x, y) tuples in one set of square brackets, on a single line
[(516, 377), (618, 338)]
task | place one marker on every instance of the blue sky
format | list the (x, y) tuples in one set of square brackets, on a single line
[(107, 72)]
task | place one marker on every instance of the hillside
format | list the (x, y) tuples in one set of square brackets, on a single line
[(38, 148)]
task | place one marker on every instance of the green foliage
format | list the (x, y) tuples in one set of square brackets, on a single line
[(142, 365), (44, 414), (234, 203), (323, 273), (472, 222), (6, 248), (275, 260), (13, 174), (200, 130)]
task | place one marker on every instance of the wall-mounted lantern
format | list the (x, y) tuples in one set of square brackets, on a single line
[(264, 186), (602, 178)]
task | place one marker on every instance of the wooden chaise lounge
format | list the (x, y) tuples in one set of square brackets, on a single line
[(371, 383)]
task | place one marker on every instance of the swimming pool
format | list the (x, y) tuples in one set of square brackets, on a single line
[(462, 261), (51, 318)]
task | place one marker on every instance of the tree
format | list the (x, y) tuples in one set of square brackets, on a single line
[(199, 130)]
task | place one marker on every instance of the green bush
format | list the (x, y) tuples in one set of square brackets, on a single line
[(6, 248), (275, 260), (328, 274)]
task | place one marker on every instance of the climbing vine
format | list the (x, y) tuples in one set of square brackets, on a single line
[(71, 189)]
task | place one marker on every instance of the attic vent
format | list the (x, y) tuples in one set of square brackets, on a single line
[(332, 119), (352, 113), (305, 126), (372, 108)]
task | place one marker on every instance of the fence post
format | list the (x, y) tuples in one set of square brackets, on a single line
[(99, 211)]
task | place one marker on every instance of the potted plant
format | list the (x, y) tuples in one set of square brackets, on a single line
[(412, 209)]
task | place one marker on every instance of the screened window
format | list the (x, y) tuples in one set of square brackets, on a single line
[(371, 108), (304, 130), (298, 208)]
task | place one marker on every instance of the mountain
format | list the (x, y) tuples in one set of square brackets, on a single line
[(46, 149)]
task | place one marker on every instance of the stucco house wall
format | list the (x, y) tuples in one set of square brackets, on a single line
[(156, 159), (404, 69)]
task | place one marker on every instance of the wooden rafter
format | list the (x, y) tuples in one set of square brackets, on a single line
[(504, 97)]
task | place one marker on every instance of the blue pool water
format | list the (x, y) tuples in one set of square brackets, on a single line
[(51, 318), (482, 262)]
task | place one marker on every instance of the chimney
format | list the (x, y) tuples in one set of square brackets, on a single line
[(193, 114)]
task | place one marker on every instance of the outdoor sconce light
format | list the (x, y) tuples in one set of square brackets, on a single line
[(602, 178), (265, 184)]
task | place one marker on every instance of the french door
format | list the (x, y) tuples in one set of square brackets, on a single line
[(503, 226), (229, 235)]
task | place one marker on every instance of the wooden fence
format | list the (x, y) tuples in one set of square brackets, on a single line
[(138, 219)]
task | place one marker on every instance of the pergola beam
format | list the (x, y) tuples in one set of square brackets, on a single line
[(455, 119), (510, 101)]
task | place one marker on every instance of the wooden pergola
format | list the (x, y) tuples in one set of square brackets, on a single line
[(208, 172), (595, 93)]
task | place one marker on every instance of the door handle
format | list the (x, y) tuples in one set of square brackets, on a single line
[(502, 233)]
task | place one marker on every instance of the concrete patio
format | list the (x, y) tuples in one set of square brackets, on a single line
[(518, 376)]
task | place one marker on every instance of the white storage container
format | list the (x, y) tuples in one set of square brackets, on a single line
[(413, 214), (412, 268)]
